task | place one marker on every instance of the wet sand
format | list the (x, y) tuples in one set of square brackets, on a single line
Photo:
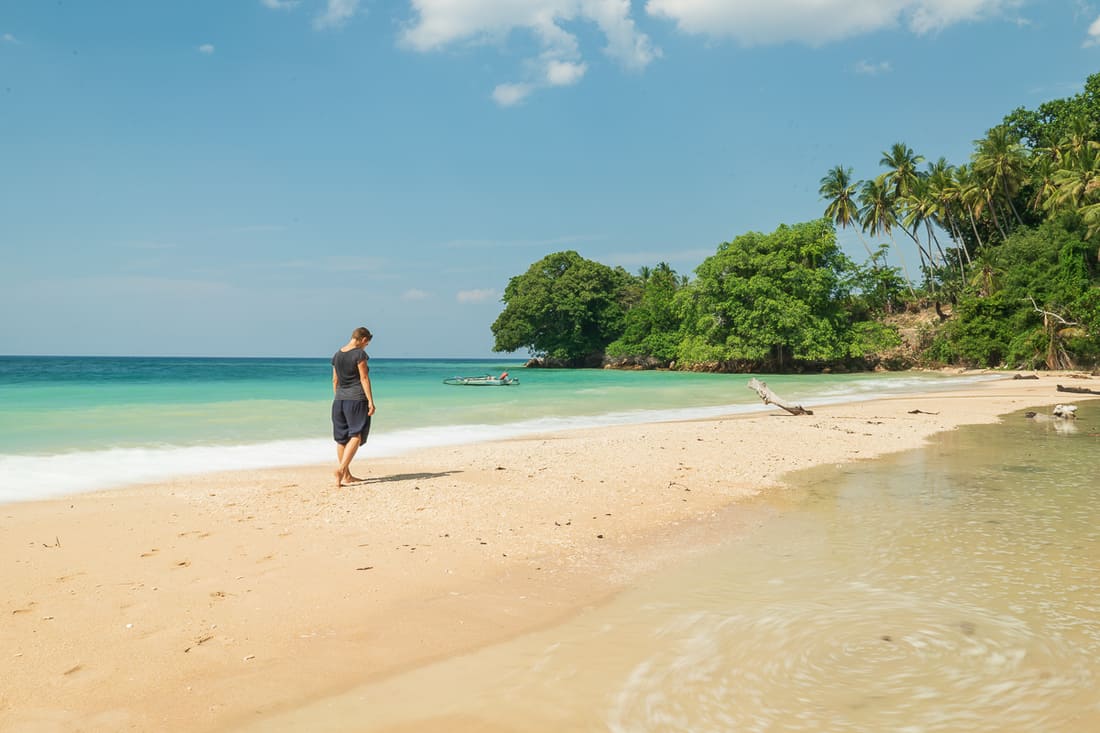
[(210, 603)]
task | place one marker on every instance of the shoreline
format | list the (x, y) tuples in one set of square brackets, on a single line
[(213, 601)]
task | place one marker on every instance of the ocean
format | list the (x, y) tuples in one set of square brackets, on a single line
[(72, 424)]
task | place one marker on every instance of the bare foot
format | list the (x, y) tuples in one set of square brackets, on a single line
[(349, 479), (338, 475)]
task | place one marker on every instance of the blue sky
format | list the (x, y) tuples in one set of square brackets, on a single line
[(258, 177)]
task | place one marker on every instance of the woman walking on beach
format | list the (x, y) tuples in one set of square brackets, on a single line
[(352, 402)]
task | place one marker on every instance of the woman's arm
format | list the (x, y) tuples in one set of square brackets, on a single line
[(364, 379), (335, 381)]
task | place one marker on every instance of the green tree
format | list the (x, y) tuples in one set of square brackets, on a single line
[(1032, 303), (1054, 121), (771, 300), (564, 307), (1004, 162), (652, 327)]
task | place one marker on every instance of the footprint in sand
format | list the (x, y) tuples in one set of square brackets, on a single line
[(183, 564), (150, 553)]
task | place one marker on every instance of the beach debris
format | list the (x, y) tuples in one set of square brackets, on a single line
[(1026, 376), (56, 543), (199, 642), (922, 412), (1060, 412), (1066, 412), (770, 398), (366, 567), (1078, 390)]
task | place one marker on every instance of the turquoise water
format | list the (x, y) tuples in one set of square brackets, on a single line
[(70, 424)]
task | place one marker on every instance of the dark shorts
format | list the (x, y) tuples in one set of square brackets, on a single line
[(350, 418)]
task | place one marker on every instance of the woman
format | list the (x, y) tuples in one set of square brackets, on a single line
[(352, 402)]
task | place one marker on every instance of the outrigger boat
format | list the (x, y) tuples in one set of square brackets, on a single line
[(487, 380)]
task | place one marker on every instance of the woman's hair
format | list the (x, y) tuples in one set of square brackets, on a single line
[(361, 333)]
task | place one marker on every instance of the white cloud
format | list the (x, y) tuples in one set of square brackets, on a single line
[(279, 4), (337, 13), (508, 94), (440, 24), (1094, 33), (9, 38), (476, 296), (414, 294), (752, 22), (564, 73), (872, 68), (207, 48)]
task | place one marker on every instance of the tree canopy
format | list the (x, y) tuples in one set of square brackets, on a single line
[(565, 307)]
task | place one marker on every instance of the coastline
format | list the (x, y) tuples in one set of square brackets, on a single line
[(210, 602)]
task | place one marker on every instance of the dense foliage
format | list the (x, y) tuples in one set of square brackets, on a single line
[(771, 301), (565, 307), (1007, 248)]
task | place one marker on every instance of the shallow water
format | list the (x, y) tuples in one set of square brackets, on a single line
[(953, 588)]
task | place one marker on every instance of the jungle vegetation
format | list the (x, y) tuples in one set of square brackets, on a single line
[(1008, 263)]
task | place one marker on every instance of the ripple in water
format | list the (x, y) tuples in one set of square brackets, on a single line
[(854, 658)]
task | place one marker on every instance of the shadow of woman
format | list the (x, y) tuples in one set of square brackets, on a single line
[(406, 477)]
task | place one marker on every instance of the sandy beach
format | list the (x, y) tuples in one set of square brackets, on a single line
[(211, 603)]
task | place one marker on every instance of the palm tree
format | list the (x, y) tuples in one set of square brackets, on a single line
[(1077, 138), (902, 172), (877, 215), (1076, 185), (1043, 168), (1002, 160), (901, 180), (919, 210), (838, 188), (944, 189), (970, 198)]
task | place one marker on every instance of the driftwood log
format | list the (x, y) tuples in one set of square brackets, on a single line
[(1077, 390), (770, 398)]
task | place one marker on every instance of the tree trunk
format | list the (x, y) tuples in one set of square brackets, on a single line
[(770, 398)]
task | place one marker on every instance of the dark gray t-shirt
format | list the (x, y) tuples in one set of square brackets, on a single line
[(346, 364)]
